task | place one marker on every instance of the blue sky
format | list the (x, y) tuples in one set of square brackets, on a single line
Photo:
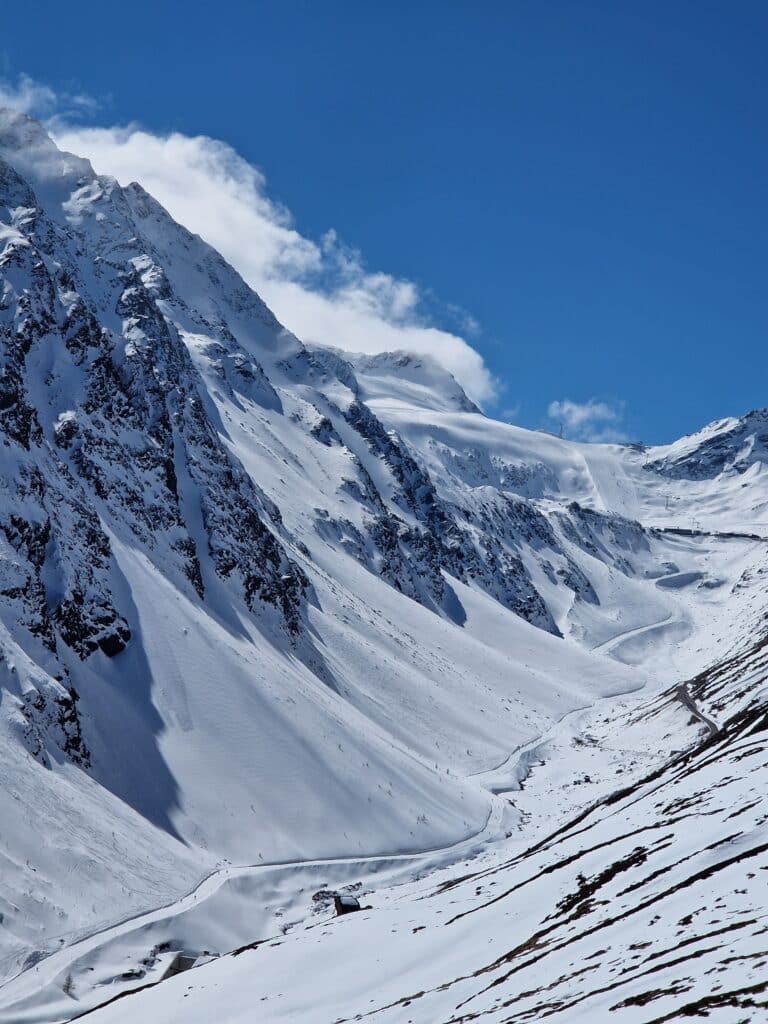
[(586, 181)]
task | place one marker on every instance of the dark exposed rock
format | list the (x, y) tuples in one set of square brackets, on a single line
[(103, 418)]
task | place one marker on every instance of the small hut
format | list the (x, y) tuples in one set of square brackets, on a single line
[(345, 904)]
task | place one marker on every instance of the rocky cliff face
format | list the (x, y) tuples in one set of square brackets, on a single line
[(105, 429)]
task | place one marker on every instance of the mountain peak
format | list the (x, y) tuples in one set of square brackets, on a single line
[(27, 146), (728, 445), (416, 379), (18, 130)]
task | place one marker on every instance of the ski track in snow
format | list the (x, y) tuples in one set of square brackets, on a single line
[(615, 641)]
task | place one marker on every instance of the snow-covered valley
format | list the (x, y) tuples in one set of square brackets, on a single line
[(277, 621)]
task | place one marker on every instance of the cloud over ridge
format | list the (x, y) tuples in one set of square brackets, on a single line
[(321, 290), (588, 421)]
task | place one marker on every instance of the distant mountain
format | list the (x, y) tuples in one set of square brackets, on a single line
[(725, 446), (269, 604)]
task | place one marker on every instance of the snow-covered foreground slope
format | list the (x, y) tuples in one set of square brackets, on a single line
[(649, 905), (274, 619)]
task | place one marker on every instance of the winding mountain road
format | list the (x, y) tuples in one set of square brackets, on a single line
[(38, 976), (682, 694)]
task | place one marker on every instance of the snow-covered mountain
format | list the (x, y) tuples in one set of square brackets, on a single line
[(275, 619)]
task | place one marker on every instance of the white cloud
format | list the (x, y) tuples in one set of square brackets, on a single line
[(588, 421), (320, 290), (31, 97), (27, 96)]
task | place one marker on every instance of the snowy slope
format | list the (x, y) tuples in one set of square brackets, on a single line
[(264, 604), (647, 906)]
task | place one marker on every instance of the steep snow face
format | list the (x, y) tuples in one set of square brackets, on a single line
[(262, 603), (421, 381)]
